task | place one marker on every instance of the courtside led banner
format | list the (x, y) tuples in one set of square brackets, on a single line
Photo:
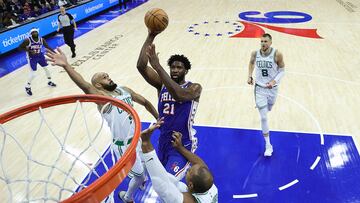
[(11, 39)]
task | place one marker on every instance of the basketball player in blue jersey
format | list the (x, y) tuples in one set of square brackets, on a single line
[(269, 70), (34, 46), (121, 125), (178, 101)]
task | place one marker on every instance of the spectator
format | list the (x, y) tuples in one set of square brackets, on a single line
[(9, 20), (2, 26), (27, 13), (2, 6), (62, 3), (54, 5), (45, 8), (37, 12)]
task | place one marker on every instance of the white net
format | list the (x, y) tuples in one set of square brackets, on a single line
[(50, 154)]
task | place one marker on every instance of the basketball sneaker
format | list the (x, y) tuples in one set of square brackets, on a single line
[(268, 150), (51, 84), (28, 91), (122, 197)]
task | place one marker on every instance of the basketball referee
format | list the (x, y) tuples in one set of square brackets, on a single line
[(67, 22)]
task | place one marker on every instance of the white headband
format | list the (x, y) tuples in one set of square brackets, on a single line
[(34, 30)]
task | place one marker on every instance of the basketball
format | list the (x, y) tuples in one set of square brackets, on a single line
[(156, 20)]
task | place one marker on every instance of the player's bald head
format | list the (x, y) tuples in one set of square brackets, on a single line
[(199, 179), (96, 77)]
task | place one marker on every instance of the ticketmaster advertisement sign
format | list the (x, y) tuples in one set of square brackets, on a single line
[(11, 39)]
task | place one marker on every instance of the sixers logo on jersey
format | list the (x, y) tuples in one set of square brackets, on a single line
[(254, 23)]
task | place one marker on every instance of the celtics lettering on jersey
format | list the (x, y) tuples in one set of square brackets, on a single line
[(120, 122), (265, 67)]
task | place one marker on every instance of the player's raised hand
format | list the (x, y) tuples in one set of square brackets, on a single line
[(57, 57), (153, 33), (152, 55), (146, 134), (176, 142)]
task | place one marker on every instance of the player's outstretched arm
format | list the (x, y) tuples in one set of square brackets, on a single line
[(177, 144), (146, 71), (143, 101), (146, 145), (179, 93), (58, 58)]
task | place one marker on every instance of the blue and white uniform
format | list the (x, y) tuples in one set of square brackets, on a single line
[(37, 56), (178, 116)]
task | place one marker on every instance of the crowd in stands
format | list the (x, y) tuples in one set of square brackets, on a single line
[(13, 12)]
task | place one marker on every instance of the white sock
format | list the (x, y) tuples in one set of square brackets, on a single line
[(263, 118), (267, 140), (31, 77), (47, 73)]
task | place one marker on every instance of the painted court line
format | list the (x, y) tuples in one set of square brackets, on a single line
[(245, 196), (289, 184), (315, 163), (85, 28)]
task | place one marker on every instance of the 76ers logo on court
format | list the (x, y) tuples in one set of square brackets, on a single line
[(254, 23)]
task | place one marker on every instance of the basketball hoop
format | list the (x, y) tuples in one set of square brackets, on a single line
[(104, 185)]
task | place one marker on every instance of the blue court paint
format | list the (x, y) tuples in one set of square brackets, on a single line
[(17, 59), (235, 156)]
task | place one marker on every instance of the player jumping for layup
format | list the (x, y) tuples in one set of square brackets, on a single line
[(121, 125), (269, 69), (178, 101)]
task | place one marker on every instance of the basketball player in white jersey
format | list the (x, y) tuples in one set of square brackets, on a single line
[(199, 188), (120, 123), (269, 70)]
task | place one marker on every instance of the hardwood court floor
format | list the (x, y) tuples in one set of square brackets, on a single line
[(319, 94)]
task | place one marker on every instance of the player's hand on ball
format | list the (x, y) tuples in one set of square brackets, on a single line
[(153, 33), (176, 142)]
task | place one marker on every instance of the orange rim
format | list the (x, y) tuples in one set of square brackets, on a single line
[(104, 185)]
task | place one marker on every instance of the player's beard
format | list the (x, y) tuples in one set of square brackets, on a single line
[(110, 87), (178, 79)]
